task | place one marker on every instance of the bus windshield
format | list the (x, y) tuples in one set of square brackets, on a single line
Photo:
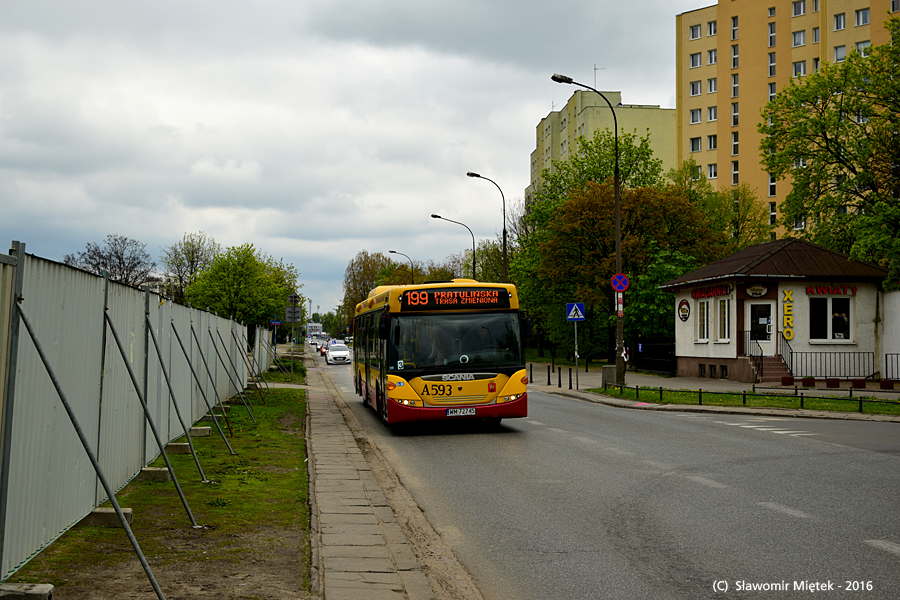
[(454, 340)]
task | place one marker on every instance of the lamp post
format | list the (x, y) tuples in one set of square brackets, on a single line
[(502, 197), (620, 332), (470, 231), (412, 278)]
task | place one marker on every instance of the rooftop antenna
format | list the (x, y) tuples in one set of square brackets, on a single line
[(596, 68)]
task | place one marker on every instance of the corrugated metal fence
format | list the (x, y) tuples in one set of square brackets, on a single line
[(47, 483)]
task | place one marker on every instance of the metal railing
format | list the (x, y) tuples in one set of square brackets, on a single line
[(892, 366), (840, 365), (753, 349)]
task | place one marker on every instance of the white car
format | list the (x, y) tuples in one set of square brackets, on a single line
[(337, 354)]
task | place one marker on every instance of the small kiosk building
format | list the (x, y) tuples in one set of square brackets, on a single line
[(783, 308)]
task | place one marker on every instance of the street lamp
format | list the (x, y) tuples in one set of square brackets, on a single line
[(502, 197), (620, 333), (470, 231), (412, 278)]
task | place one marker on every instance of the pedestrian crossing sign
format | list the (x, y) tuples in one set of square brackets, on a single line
[(575, 311)]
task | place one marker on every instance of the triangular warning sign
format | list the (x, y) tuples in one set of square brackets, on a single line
[(575, 314)]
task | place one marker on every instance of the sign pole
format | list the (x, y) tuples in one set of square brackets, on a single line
[(576, 355)]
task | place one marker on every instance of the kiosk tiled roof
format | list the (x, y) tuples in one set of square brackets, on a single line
[(787, 258)]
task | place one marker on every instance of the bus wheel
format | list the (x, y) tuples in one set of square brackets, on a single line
[(382, 406), (365, 395)]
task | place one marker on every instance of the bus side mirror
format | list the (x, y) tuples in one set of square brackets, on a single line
[(526, 328), (384, 327)]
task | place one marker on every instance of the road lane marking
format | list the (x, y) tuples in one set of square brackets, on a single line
[(659, 465), (785, 510), (885, 545), (533, 422), (790, 431), (704, 481), (619, 452), (586, 440), (557, 430)]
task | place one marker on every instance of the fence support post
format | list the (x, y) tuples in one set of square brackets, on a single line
[(570, 378), (6, 418), (700, 397), (559, 378), (745, 397), (87, 448)]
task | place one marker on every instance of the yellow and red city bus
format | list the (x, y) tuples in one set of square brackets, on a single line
[(441, 350)]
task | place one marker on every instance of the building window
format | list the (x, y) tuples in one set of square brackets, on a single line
[(771, 64), (772, 91), (712, 57), (712, 142), (800, 68), (695, 144), (862, 17), (712, 113), (695, 32), (863, 47), (724, 333), (695, 88), (771, 34), (696, 60), (711, 28), (815, 5), (799, 8), (798, 38), (773, 215), (771, 11), (815, 64), (734, 28), (840, 21), (734, 143), (712, 85), (734, 114), (830, 318), (735, 179), (734, 86), (734, 57), (712, 171), (840, 53), (703, 320), (895, 5), (695, 116), (800, 223), (771, 188)]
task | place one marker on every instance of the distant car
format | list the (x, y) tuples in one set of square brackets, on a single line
[(337, 354)]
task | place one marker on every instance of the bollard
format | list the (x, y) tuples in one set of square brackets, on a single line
[(660, 395), (531, 372), (745, 397), (700, 397), (801, 400), (637, 392), (570, 378), (559, 378), (548, 375)]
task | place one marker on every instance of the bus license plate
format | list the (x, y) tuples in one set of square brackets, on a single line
[(461, 412)]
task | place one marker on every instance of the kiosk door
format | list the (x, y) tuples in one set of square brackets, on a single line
[(760, 314)]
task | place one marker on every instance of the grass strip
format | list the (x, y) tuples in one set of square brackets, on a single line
[(692, 397), (253, 502)]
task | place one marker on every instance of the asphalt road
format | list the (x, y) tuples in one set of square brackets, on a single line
[(585, 501)]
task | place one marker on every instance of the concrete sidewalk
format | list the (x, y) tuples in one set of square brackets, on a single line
[(359, 550)]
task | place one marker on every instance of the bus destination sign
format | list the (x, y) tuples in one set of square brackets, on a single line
[(454, 299)]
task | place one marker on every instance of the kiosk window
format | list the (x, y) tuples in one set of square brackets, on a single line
[(829, 318)]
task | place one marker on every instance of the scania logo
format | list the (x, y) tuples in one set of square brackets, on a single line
[(458, 377)]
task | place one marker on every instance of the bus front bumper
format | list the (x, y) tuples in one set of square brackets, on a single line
[(398, 413)]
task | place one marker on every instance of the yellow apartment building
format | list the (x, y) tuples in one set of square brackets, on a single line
[(585, 112), (734, 56)]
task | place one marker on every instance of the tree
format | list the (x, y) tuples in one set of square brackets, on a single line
[(184, 260), (244, 285), (836, 135), (361, 276), (123, 259), (733, 210), (578, 257)]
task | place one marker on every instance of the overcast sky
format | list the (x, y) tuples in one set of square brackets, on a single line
[(313, 130)]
